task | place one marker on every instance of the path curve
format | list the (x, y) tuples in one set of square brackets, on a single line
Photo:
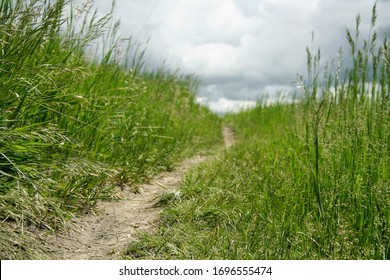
[(106, 232)]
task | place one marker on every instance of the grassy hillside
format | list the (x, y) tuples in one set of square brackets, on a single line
[(73, 127), (304, 181)]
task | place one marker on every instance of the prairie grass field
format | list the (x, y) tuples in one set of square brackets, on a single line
[(81, 117), (308, 180)]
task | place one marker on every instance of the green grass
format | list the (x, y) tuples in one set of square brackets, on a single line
[(76, 124), (304, 181)]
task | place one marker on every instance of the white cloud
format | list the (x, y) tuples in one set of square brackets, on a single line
[(241, 47), (210, 59), (223, 105)]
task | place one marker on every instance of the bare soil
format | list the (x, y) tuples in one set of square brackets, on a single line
[(112, 226)]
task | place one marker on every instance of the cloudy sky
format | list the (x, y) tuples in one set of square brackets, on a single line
[(241, 49)]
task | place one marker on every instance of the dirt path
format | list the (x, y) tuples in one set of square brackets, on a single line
[(107, 231), (228, 136)]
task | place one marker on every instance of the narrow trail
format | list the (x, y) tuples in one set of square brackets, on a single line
[(228, 136), (106, 232)]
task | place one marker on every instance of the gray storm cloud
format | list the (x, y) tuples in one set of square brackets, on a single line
[(242, 48)]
